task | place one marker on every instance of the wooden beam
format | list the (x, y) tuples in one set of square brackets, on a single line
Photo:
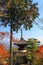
[(1, 14)]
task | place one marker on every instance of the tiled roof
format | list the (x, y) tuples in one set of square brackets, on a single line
[(21, 41)]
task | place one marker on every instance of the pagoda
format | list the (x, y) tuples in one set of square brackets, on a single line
[(21, 53)]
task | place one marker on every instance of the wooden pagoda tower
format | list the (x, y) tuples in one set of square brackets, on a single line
[(21, 53)]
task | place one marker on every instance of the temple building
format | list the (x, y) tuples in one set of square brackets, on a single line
[(21, 53)]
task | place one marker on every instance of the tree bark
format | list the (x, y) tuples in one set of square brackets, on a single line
[(11, 52)]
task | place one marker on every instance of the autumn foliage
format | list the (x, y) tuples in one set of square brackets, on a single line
[(3, 51), (6, 35), (3, 54), (40, 52)]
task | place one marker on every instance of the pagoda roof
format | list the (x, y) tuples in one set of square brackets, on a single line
[(21, 42)]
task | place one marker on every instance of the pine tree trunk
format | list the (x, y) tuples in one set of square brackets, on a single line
[(11, 52)]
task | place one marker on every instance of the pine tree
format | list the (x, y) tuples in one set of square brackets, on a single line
[(16, 13), (32, 48)]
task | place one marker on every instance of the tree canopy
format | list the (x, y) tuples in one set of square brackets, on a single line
[(32, 48), (22, 12)]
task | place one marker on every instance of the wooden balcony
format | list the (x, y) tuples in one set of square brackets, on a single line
[(20, 53)]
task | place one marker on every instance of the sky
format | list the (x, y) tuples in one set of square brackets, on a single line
[(35, 32)]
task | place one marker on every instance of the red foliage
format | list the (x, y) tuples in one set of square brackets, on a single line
[(6, 34), (40, 52), (3, 51), (3, 35), (5, 64)]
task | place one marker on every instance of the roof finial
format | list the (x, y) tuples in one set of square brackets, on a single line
[(21, 34)]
